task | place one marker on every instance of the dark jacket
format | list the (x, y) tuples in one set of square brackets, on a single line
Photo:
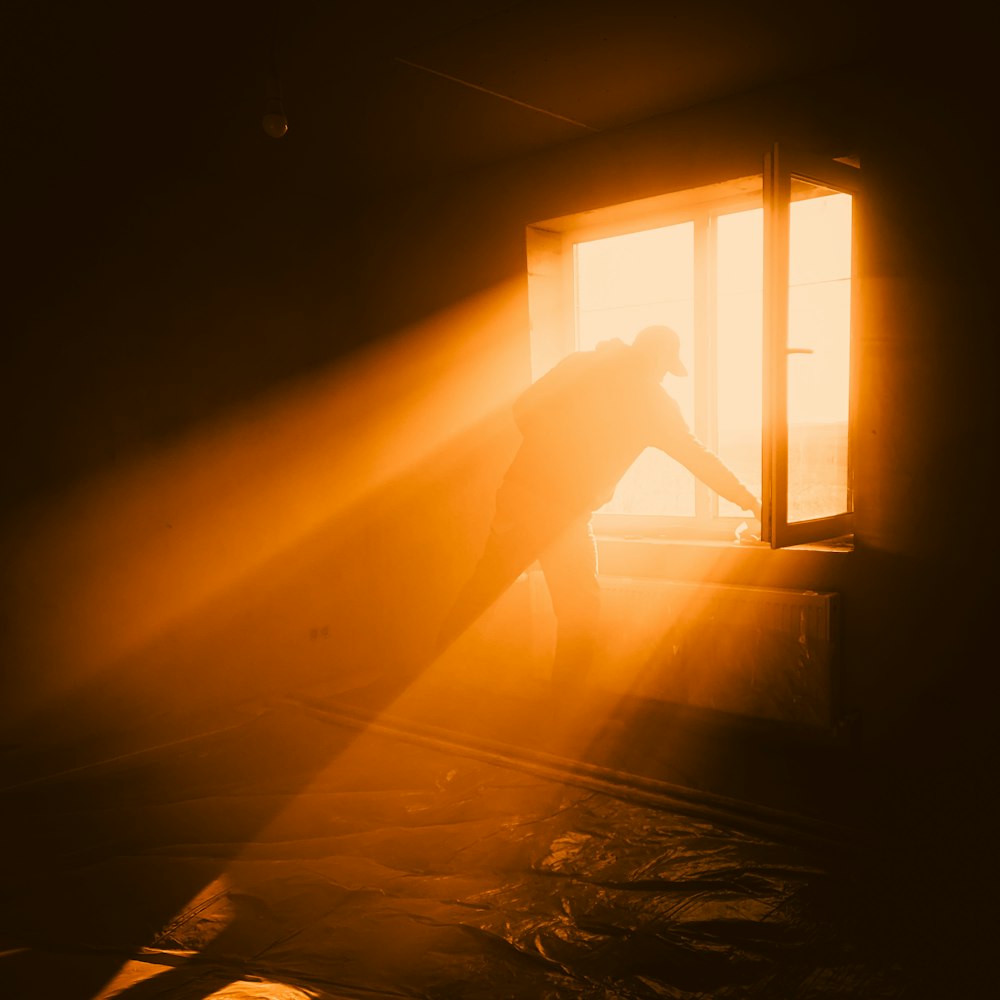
[(587, 420)]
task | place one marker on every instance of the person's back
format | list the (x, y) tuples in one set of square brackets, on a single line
[(583, 424)]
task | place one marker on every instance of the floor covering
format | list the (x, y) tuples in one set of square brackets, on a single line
[(325, 847)]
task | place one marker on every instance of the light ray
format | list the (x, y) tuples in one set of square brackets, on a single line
[(109, 566)]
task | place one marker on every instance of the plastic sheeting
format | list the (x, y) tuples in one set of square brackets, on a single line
[(237, 867)]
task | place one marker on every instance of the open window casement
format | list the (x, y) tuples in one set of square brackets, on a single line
[(810, 313)]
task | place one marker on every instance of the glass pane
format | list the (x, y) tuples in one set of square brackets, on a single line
[(623, 284), (739, 330), (819, 337)]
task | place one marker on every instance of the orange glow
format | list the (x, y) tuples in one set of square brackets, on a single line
[(626, 281), (819, 359), (164, 541), (112, 565), (819, 308), (441, 694)]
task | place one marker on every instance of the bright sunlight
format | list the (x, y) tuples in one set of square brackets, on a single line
[(704, 277)]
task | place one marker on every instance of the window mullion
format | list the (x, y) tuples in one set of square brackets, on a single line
[(775, 443), (706, 503)]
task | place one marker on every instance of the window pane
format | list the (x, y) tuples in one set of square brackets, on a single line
[(623, 284), (739, 330), (819, 329)]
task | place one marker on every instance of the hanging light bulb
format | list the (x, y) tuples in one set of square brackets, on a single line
[(273, 120)]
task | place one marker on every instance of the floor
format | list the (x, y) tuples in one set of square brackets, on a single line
[(435, 840)]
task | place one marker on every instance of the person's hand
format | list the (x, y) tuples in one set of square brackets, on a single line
[(747, 534)]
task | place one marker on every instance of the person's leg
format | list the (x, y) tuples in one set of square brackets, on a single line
[(515, 538), (497, 569), (570, 569)]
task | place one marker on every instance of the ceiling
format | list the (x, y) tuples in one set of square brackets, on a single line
[(441, 86), (378, 93)]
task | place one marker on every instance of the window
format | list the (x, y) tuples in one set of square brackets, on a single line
[(810, 318), (757, 276)]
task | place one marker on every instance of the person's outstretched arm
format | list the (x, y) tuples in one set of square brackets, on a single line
[(676, 439)]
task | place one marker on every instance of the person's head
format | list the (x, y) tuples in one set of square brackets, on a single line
[(659, 350)]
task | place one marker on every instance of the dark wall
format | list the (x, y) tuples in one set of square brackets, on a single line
[(169, 282)]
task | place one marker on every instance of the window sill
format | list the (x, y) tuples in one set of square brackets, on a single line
[(815, 566), (841, 545)]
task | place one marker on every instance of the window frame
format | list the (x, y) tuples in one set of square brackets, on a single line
[(552, 306), (781, 165)]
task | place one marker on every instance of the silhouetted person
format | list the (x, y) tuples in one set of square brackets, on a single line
[(583, 424)]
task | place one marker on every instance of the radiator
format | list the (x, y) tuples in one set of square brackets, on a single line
[(764, 653)]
